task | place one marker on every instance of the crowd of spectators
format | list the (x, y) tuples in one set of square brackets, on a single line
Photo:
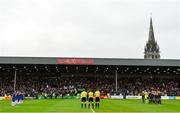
[(33, 85)]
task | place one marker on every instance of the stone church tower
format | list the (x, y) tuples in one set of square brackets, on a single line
[(151, 50)]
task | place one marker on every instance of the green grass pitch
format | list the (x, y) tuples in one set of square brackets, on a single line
[(73, 106)]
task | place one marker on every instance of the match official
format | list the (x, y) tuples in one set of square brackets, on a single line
[(97, 98), (90, 99), (83, 98)]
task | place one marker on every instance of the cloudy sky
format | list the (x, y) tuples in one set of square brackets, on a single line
[(88, 28)]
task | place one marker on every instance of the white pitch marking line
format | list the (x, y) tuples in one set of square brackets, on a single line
[(92, 110)]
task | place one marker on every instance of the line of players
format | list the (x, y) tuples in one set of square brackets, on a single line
[(17, 98), (152, 97), (90, 97)]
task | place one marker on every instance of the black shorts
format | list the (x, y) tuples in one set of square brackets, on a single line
[(97, 99), (91, 99), (83, 99)]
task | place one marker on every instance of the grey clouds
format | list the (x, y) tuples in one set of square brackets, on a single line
[(88, 28)]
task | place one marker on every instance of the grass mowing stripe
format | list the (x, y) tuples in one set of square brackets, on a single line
[(91, 112), (74, 106)]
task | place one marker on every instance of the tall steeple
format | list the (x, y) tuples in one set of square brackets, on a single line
[(151, 31), (151, 50)]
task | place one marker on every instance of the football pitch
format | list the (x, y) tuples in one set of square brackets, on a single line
[(107, 105)]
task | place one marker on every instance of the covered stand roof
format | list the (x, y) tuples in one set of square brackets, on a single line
[(89, 61), (95, 65)]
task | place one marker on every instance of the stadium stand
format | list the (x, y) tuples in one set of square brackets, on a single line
[(68, 76), (34, 85)]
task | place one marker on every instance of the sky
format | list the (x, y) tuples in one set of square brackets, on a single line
[(88, 28)]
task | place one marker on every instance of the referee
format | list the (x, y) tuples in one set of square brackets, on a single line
[(90, 99), (97, 98), (83, 98)]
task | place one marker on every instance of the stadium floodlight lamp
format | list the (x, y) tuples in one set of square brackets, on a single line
[(66, 68), (46, 68), (57, 69), (96, 68), (36, 68), (0, 67), (76, 67)]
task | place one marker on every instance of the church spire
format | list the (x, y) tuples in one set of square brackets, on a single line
[(151, 32), (151, 50)]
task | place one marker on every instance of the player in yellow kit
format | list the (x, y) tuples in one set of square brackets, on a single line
[(146, 96), (97, 98), (90, 99), (83, 98)]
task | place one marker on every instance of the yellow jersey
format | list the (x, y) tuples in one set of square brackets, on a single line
[(90, 94), (83, 94), (145, 95), (97, 94)]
